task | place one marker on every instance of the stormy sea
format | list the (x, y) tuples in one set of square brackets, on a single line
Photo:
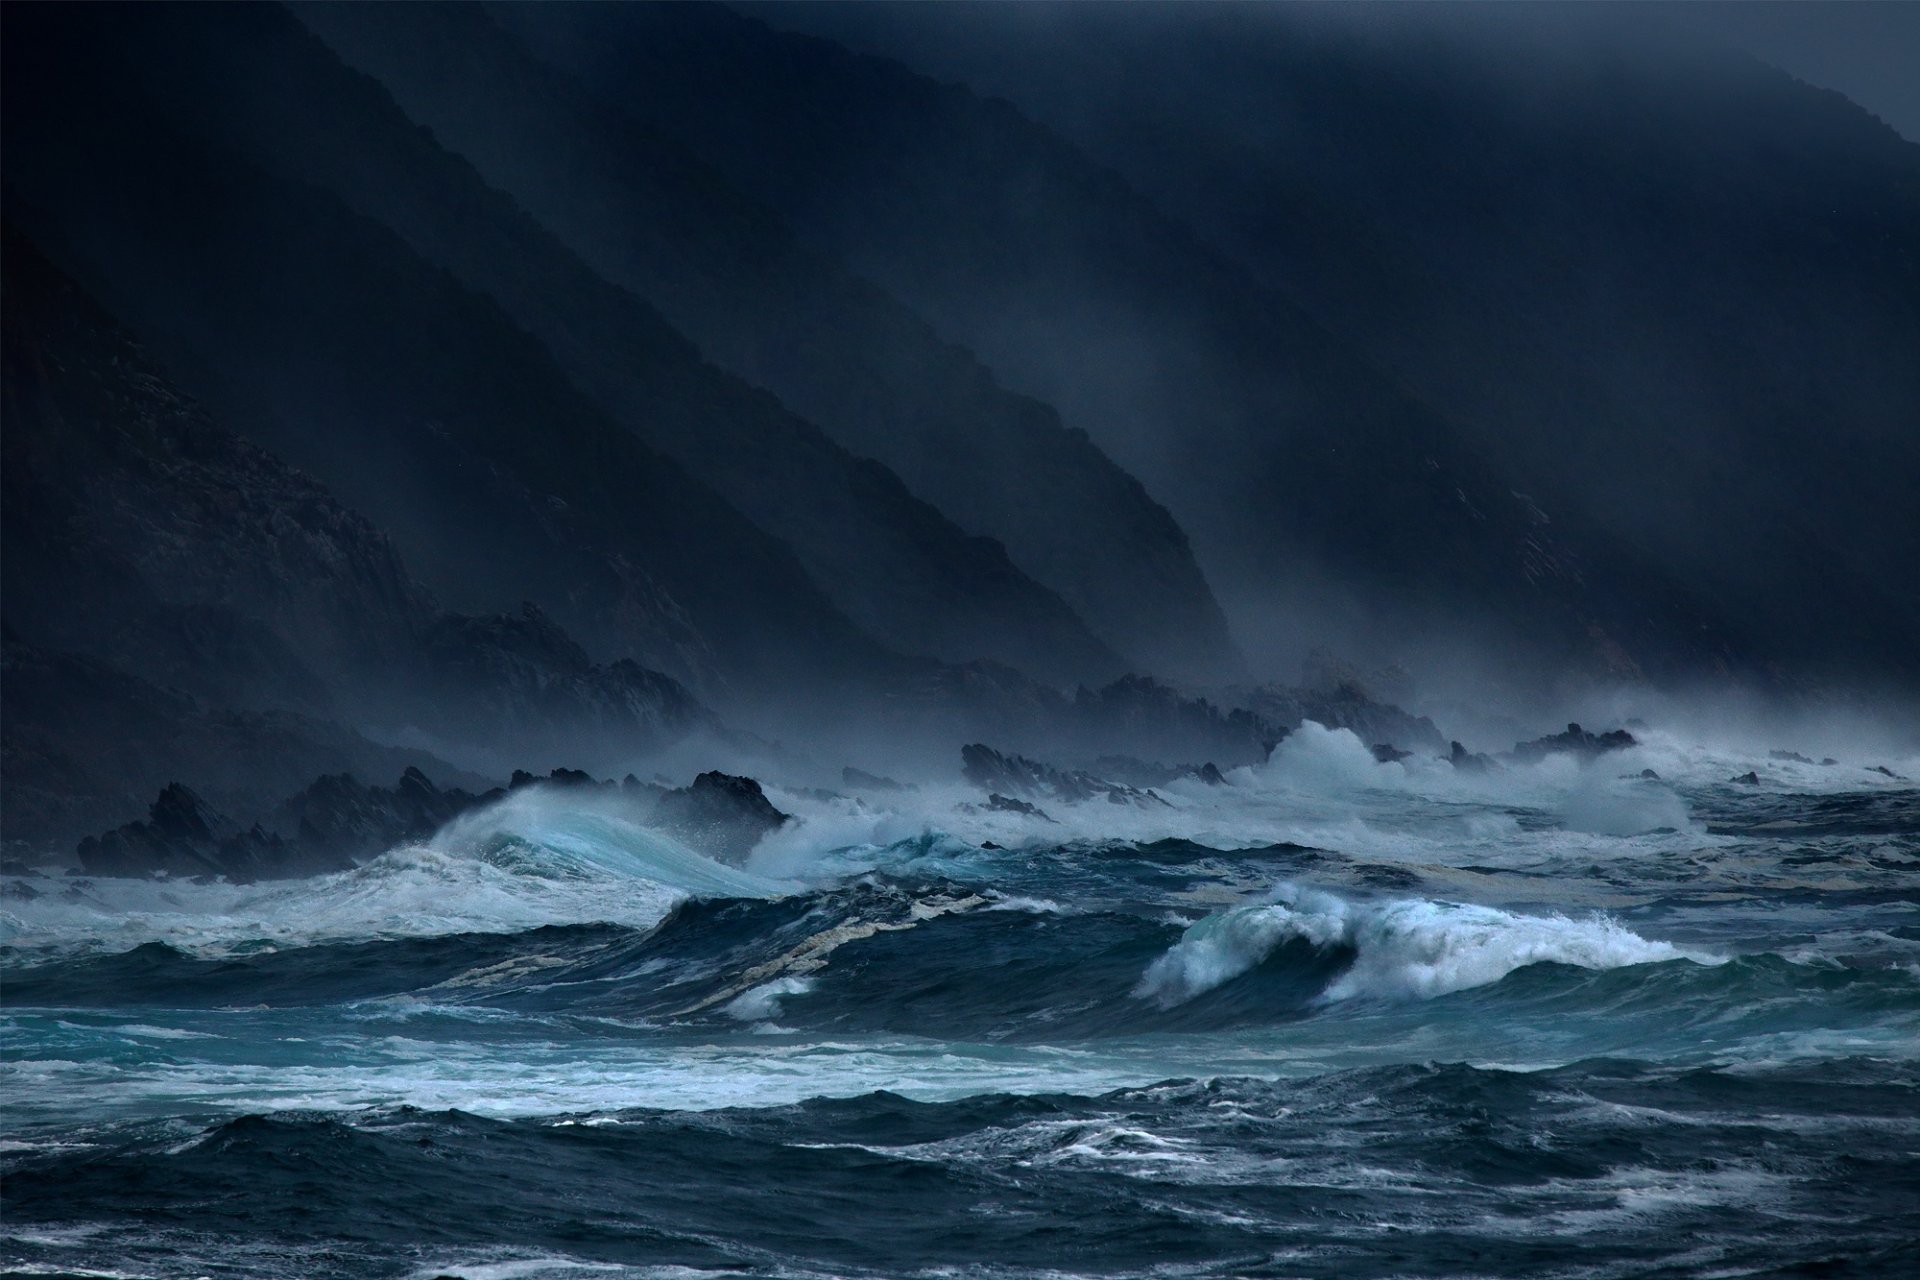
[(1327, 1016)]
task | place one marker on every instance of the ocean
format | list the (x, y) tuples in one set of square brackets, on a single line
[(1331, 1018)]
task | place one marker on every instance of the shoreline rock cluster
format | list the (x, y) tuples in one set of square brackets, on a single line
[(338, 822)]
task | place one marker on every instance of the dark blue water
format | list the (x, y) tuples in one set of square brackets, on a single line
[(1338, 1019)]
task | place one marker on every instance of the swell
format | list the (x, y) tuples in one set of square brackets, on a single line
[(945, 961), (1648, 1166)]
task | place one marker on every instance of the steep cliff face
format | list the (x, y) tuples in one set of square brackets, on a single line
[(1675, 291), (648, 215), (140, 532), (893, 564), (1316, 489), (414, 399), (180, 604)]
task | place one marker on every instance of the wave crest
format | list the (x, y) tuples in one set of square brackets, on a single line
[(1402, 948)]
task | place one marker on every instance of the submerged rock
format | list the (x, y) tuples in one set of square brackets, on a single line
[(1880, 768), (720, 814), (1575, 741), (1791, 757), (1387, 753)]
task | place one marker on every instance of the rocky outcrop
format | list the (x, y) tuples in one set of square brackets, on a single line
[(720, 814), (331, 825), (1466, 761), (997, 803), (1004, 774), (85, 746), (185, 836), (1794, 757), (340, 821), (1575, 741)]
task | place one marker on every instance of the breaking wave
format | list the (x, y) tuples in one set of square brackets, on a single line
[(532, 859), (1402, 948)]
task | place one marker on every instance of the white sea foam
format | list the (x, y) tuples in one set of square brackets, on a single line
[(534, 858), (1321, 787), (1404, 948), (762, 1003)]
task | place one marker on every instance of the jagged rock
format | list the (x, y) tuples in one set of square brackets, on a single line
[(648, 792), (993, 771), (1880, 768), (1131, 772), (1007, 804), (1747, 779), (85, 747), (559, 777), (860, 780), (1792, 757), (1575, 741), (339, 820), (719, 814), (1387, 753), (1467, 761), (183, 835)]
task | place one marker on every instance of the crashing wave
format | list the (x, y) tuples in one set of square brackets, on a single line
[(1402, 948)]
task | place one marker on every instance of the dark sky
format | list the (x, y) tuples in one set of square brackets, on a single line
[(1867, 49)]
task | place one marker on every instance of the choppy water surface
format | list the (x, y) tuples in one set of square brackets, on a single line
[(1336, 1018)]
